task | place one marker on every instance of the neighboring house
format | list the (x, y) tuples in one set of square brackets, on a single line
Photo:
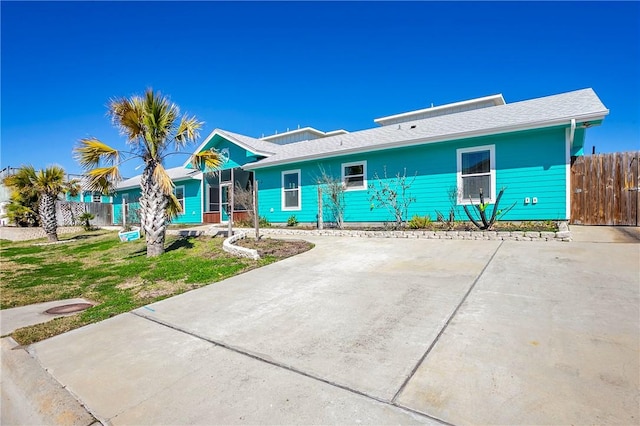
[(485, 143)]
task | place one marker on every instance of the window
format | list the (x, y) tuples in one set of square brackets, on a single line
[(96, 198), (291, 190), (125, 198), (214, 199), (354, 176), (178, 191), (476, 171)]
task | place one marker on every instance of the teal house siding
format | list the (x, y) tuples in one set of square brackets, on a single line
[(528, 164), (192, 202)]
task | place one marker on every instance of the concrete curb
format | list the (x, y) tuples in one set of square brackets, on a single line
[(31, 396), (561, 235), (227, 245)]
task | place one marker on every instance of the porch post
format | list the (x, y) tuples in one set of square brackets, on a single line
[(233, 185)]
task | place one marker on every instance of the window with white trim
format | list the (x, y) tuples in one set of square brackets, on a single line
[(476, 172), (354, 175), (178, 191), (96, 198), (291, 190)]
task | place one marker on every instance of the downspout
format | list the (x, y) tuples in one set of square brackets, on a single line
[(568, 147), (572, 132)]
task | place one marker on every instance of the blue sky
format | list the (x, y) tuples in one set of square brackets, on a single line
[(257, 68)]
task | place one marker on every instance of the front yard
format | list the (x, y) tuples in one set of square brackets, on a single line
[(117, 276)]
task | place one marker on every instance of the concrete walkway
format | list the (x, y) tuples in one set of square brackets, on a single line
[(377, 331)]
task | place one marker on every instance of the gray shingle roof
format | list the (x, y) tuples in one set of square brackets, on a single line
[(256, 144), (175, 173), (535, 113)]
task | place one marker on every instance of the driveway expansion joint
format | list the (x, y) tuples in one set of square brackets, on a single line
[(287, 367), (444, 327)]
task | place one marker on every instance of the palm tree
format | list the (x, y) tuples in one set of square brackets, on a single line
[(152, 125), (46, 184)]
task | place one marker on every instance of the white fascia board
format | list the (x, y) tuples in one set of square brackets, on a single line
[(497, 99), (435, 139), (231, 139), (336, 132)]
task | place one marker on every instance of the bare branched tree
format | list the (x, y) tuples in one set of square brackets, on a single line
[(332, 195), (393, 195)]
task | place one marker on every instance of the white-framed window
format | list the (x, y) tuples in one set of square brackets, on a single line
[(178, 191), (96, 198), (354, 175), (291, 196), (125, 198), (476, 171)]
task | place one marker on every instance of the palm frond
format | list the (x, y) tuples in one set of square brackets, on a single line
[(127, 115), (173, 207), (73, 187), (161, 177), (92, 153), (49, 180), (187, 131), (22, 179), (103, 179), (206, 161)]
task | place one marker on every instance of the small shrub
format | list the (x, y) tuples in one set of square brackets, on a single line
[(292, 221), (420, 222), (264, 222), (85, 218)]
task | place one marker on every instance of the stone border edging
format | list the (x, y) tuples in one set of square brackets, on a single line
[(229, 247), (561, 235)]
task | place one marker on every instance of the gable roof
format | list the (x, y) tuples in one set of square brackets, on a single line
[(175, 173), (253, 145), (581, 105)]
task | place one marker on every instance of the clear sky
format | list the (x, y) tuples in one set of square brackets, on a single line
[(257, 68)]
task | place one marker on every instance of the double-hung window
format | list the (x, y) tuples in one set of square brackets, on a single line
[(476, 172), (291, 190), (354, 175), (178, 191)]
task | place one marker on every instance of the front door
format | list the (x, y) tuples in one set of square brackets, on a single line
[(225, 208)]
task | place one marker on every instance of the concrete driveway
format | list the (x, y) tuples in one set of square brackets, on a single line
[(377, 331)]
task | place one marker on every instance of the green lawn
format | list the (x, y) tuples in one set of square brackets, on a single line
[(117, 276)]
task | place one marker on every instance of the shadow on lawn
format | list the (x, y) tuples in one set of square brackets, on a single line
[(184, 242)]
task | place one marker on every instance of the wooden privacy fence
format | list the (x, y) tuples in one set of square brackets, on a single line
[(604, 189), (67, 213)]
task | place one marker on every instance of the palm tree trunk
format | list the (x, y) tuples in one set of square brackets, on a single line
[(47, 210), (153, 206)]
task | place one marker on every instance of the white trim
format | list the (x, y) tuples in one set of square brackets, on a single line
[(282, 191), (364, 175), (423, 141), (184, 197), (492, 173), (202, 200), (497, 100), (567, 171)]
